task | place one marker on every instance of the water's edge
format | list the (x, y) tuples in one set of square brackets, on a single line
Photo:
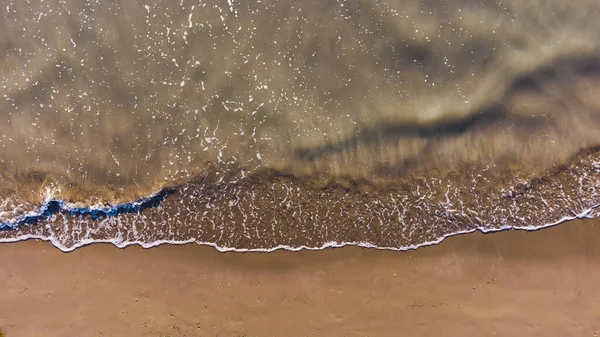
[(154, 200), (267, 212)]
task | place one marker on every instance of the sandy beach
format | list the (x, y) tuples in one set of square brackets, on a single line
[(256, 125), (512, 283)]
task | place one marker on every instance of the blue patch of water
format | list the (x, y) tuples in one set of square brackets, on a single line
[(53, 207)]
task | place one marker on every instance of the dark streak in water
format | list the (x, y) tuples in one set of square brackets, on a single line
[(494, 113), (54, 207)]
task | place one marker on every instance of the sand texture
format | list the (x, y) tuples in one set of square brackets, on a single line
[(512, 283)]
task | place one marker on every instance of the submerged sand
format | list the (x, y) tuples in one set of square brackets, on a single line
[(274, 124), (108, 102), (510, 283)]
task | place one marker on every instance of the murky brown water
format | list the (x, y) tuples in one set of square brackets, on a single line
[(388, 123)]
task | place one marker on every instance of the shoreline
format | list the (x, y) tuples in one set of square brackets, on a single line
[(585, 214), (191, 290), (257, 215)]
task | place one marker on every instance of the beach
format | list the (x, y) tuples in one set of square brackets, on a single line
[(541, 283), (314, 168)]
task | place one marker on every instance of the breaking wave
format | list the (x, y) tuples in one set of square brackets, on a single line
[(274, 124)]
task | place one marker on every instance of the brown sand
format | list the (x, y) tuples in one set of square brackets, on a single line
[(506, 284)]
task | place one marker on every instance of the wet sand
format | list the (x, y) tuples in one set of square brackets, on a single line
[(504, 284)]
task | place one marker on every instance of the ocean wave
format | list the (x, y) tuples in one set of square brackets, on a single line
[(586, 214), (275, 124), (270, 211)]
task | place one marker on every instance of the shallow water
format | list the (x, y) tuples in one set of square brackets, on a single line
[(272, 124)]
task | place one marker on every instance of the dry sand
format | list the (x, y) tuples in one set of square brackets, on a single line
[(505, 284)]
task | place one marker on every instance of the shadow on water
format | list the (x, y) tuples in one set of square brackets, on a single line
[(495, 114)]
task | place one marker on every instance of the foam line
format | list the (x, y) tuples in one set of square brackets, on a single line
[(585, 214)]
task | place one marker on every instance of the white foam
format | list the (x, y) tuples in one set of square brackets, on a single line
[(585, 214)]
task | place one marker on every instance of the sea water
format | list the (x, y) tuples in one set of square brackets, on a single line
[(258, 125)]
